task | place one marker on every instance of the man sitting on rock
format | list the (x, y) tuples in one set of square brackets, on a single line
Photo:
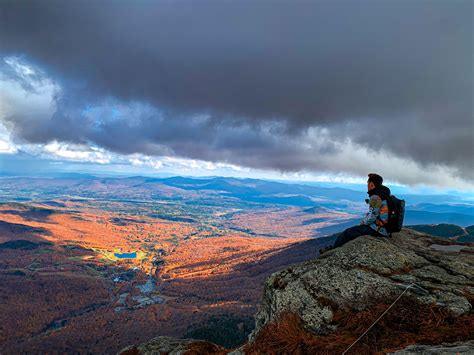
[(375, 220)]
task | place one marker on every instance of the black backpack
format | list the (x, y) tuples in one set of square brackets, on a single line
[(396, 213)]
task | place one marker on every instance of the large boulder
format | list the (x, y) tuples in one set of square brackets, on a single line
[(430, 270)]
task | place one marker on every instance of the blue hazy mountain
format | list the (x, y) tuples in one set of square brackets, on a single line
[(424, 217), (421, 209), (445, 230), (445, 208)]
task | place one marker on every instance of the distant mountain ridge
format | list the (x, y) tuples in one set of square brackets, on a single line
[(423, 217), (421, 209), (445, 230)]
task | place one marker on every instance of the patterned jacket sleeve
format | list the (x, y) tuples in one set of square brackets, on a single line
[(377, 208)]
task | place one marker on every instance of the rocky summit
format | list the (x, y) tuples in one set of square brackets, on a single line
[(367, 269), (424, 284)]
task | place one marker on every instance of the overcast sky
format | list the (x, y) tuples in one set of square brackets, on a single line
[(299, 88)]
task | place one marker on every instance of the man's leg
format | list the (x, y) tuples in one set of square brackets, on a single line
[(352, 233)]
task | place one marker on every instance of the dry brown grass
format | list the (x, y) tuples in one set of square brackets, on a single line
[(204, 347), (406, 323)]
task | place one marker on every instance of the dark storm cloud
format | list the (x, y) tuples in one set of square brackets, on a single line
[(394, 75)]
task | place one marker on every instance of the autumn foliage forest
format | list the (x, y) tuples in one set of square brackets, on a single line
[(95, 265)]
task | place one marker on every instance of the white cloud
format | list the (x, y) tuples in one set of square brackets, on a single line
[(188, 165), (6, 148), (6, 145), (145, 161), (76, 152), (26, 95), (24, 70)]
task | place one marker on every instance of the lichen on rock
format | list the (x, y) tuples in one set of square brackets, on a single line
[(366, 270)]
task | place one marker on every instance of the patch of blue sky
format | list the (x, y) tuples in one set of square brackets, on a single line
[(111, 110)]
